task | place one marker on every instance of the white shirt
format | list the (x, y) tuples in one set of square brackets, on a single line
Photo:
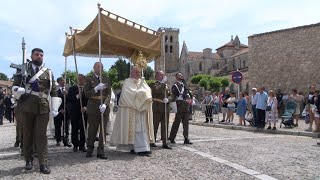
[(34, 67)]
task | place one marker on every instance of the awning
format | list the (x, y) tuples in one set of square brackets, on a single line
[(119, 37)]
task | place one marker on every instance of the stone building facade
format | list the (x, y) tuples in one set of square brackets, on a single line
[(228, 58), (285, 59)]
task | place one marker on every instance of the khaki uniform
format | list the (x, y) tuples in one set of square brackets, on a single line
[(93, 111), (183, 113), (35, 115), (160, 114)]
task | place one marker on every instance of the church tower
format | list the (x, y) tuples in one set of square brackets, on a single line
[(170, 51)]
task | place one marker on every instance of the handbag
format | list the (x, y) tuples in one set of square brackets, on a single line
[(248, 116), (269, 107)]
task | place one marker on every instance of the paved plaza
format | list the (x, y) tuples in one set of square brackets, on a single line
[(217, 153)]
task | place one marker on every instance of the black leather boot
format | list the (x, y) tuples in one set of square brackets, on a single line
[(44, 169), (29, 165)]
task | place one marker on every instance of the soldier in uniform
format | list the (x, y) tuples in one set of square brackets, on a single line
[(94, 84), (160, 92), (76, 110), (59, 120), (183, 98), (33, 93)]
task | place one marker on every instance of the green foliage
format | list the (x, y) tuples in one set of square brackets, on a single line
[(123, 69), (209, 82), (3, 77), (197, 78), (113, 75), (71, 77), (214, 84), (224, 82), (204, 83), (148, 73), (149, 82), (117, 85)]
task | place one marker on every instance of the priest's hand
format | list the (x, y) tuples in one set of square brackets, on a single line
[(165, 100), (102, 108), (100, 86)]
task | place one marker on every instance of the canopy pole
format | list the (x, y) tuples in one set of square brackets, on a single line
[(79, 89), (101, 102), (64, 98), (165, 91)]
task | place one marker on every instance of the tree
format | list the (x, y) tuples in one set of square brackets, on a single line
[(148, 73), (209, 82), (123, 69), (3, 77), (71, 77), (113, 75)]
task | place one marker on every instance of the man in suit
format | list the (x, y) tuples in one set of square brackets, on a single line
[(183, 98), (76, 111), (1, 106), (97, 89), (59, 120), (160, 107), (33, 103)]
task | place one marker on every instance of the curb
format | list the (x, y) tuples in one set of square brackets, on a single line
[(252, 129)]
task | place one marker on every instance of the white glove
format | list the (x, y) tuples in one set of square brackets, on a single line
[(102, 108), (54, 113), (100, 86), (165, 100)]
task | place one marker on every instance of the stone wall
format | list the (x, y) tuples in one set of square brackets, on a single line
[(285, 59)]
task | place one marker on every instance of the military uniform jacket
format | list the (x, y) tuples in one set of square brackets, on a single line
[(32, 103), (180, 96), (159, 92), (89, 92)]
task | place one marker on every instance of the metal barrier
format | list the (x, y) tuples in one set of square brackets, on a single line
[(205, 112)]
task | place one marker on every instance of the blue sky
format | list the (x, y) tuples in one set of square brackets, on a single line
[(202, 23)]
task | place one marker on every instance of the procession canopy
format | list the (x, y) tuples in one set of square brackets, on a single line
[(119, 37)]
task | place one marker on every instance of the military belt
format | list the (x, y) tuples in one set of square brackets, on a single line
[(98, 97), (39, 94)]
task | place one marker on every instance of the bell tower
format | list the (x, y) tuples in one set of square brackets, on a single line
[(170, 51)]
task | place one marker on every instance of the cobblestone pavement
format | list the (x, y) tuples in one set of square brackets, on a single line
[(217, 153)]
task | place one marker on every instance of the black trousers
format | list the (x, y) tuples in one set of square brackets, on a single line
[(208, 113), (261, 118), (58, 121), (180, 117), (78, 138)]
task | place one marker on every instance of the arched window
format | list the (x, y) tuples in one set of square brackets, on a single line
[(171, 39), (166, 48), (200, 66), (171, 49), (166, 38)]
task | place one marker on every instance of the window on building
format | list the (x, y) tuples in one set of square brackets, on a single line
[(200, 66), (217, 65), (166, 48), (244, 64), (166, 38), (171, 50), (171, 39)]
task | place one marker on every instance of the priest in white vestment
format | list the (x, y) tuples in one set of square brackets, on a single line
[(133, 126)]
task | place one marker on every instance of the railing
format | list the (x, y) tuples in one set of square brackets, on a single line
[(209, 112)]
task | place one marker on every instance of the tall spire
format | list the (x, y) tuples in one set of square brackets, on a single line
[(231, 37)]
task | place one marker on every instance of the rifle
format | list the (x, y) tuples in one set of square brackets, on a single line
[(21, 71)]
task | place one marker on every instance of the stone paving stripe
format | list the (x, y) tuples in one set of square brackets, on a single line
[(264, 177), (236, 166)]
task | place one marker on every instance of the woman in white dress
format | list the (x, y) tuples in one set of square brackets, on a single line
[(272, 115)]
